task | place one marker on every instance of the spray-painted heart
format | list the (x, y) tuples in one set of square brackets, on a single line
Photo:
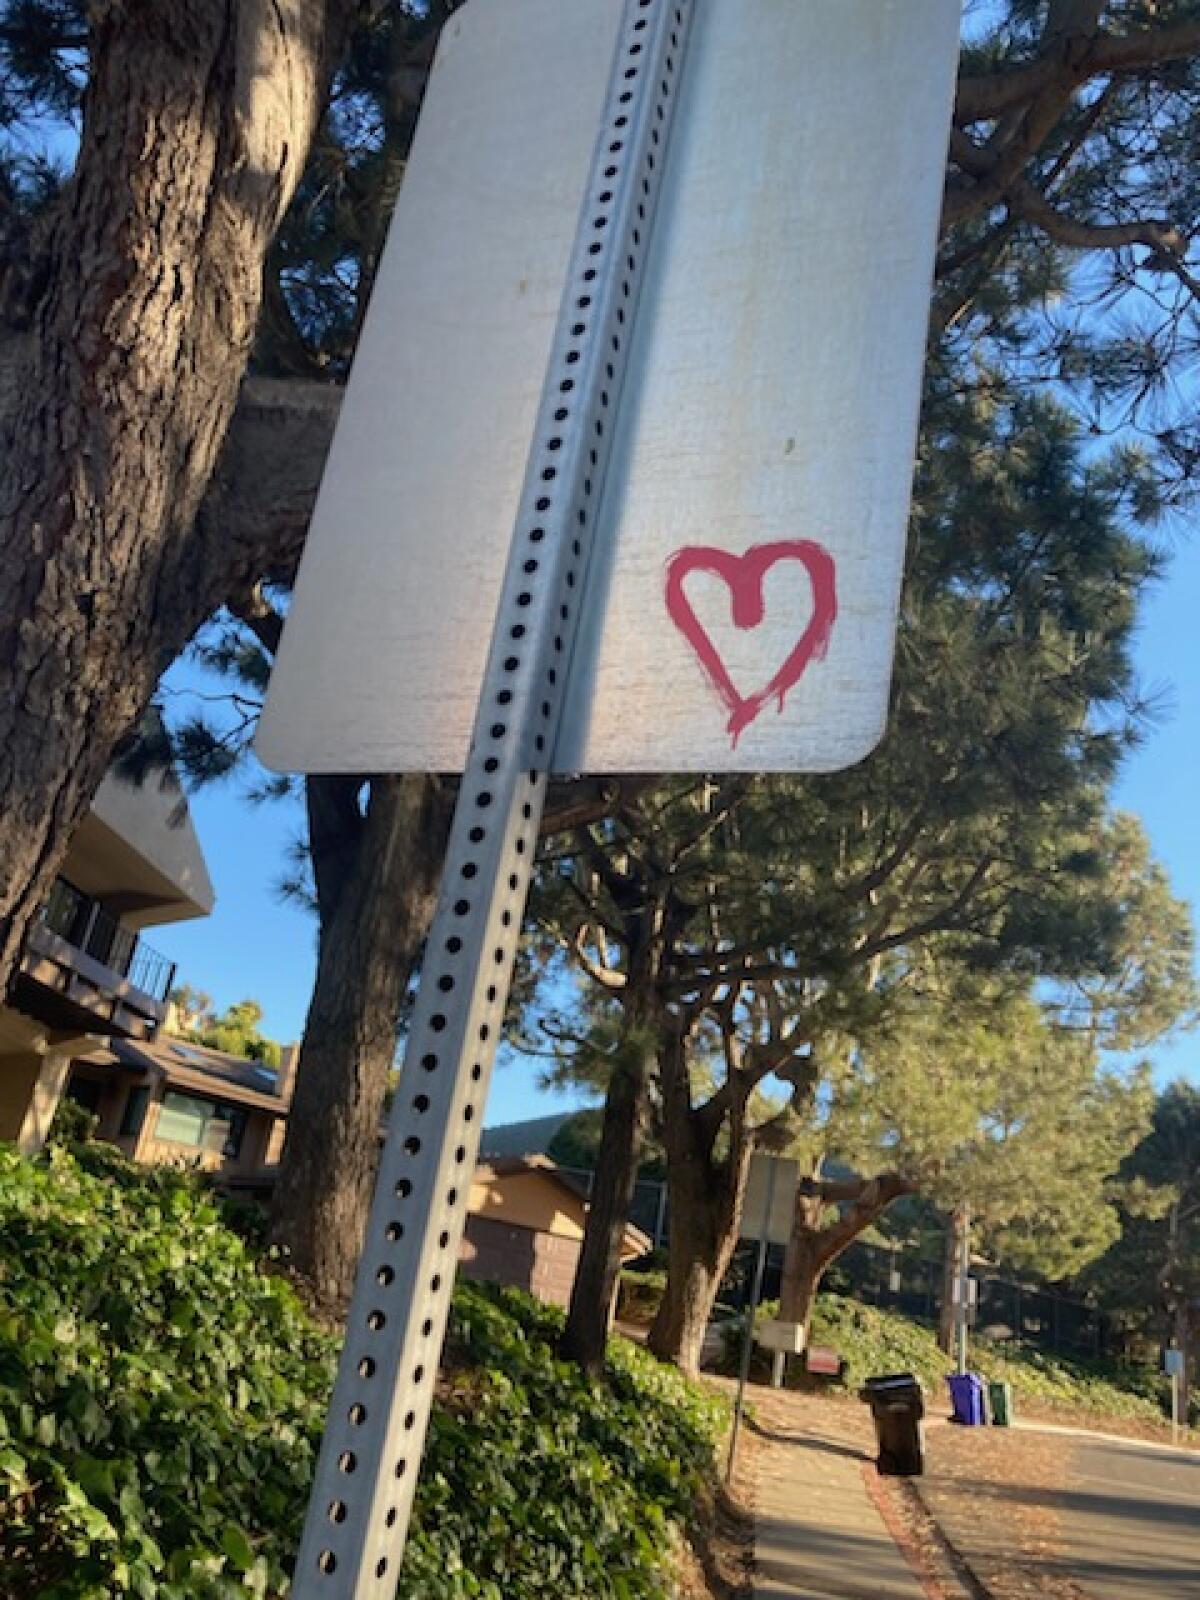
[(744, 575)]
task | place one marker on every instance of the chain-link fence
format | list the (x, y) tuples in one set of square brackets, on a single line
[(1005, 1308)]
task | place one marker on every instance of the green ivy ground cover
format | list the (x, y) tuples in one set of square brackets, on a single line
[(161, 1400)]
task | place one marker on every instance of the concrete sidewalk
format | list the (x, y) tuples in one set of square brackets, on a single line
[(818, 1535)]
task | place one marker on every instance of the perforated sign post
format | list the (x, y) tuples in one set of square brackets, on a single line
[(768, 1208), (636, 400)]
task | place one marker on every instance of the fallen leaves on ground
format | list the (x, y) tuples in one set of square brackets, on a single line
[(996, 1496)]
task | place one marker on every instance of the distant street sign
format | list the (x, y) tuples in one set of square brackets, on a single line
[(777, 1177), (1173, 1363), (785, 1338), (749, 535), (823, 1361)]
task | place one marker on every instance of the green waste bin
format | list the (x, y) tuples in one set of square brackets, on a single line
[(1000, 1395)]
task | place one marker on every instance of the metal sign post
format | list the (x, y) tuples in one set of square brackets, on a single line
[(1173, 1360), (779, 1178), (760, 1266), (741, 458), (358, 1516), (962, 1291)]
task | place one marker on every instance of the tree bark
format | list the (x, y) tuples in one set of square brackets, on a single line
[(1183, 1339), (197, 121), (377, 875), (703, 1237), (706, 1205), (626, 1110), (812, 1248), (804, 1262), (803, 1269), (956, 1225)]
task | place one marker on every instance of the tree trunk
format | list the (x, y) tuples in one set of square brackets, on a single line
[(1183, 1339), (706, 1207), (197, 121), (377, 877), (813, 1248), (804, 1263), (703, 1237), (649, 927), (593, 1294)]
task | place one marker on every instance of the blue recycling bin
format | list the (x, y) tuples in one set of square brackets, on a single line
[(967, 1396)]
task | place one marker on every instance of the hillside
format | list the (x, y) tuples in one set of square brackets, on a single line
[(873, 1341), (161, 1400)]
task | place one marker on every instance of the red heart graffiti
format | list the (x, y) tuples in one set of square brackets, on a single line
[(744, 576)]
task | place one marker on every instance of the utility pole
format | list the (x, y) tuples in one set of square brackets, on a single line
[(962, 1289)]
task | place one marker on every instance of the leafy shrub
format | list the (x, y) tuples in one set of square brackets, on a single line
[(161, 1401), (639, 1294), (160, 1398), (73, 1123), (541, 1483)]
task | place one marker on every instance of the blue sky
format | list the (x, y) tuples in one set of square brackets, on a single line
[(1161, 781), (256, 945)]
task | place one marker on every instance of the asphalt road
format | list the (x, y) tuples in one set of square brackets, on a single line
[(1131, 1519)]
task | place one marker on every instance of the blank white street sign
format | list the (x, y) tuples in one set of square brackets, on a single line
[(782, 1190), (741, 610)]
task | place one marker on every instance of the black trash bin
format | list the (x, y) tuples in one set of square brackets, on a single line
[(897, 1403)]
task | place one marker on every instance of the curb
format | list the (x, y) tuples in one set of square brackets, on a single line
[(966, 1580), (880, 1499), (1182, 1451), (974, 1584)]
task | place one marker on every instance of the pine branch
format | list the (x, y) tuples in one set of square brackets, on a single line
[(1168, 245), (871, 1200), (985, 96), (607, 977)]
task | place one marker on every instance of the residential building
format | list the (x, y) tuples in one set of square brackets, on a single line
[(170, 1102), (87, 974), (525, 1228), (546, 1136)]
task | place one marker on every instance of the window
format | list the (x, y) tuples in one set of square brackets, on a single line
[(87, 1093), (201, 1124), (134, 1115)]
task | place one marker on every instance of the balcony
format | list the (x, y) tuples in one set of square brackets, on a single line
[(84, 971)]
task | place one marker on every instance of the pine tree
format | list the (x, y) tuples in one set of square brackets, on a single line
[(998, 1113), (1151, 1275), (978, 827)]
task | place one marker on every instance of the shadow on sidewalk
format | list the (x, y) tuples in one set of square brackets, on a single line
[(808, 1440)]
